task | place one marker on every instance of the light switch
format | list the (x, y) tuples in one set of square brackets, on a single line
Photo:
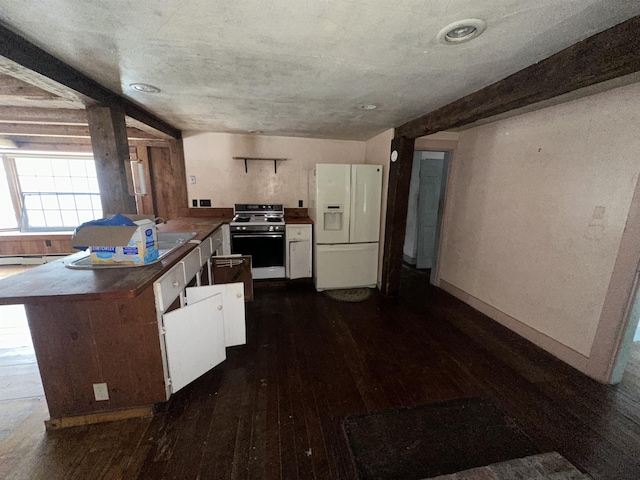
[(192, 179)]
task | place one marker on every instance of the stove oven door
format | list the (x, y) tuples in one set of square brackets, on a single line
[(266, 249)]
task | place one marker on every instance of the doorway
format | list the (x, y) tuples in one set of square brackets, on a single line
[(21, 391), (425, 209)]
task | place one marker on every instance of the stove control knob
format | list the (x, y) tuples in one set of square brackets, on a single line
[(271, 229)]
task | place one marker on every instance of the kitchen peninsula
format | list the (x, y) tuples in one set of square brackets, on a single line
[(100, 326)]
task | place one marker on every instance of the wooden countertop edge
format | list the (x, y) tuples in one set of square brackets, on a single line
[(297, 220), (156, 270)]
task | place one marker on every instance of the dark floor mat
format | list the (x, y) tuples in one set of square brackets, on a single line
[(430, 440)]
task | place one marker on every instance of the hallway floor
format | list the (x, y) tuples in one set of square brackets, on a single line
[(274, 408)]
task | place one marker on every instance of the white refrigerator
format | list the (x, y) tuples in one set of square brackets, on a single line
[(344, 204)]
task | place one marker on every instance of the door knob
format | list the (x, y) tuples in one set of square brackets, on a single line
[(219, 307)]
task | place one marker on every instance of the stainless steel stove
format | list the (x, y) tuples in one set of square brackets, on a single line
[(258, 230)]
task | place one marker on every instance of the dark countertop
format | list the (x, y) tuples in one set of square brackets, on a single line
[(55, 282), (293, 220)]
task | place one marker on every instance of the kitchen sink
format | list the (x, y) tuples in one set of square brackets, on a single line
[(171, 240), (167, 243)]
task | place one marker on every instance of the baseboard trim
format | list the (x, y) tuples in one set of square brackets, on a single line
[(78, 420), (29, 259), (555, 348)]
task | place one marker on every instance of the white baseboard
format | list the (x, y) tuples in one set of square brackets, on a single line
[(29, 259)]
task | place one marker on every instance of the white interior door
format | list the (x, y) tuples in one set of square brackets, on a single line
[(235, 332), (366, 195), (195, 341), (428, 204)]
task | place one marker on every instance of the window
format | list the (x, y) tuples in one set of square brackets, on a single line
[(53, 192)]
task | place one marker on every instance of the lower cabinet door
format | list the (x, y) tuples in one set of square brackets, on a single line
[(299, 259), (235, 331), (195, 340)]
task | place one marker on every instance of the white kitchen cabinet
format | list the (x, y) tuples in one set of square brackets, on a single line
[(210, 317), (298, 251)]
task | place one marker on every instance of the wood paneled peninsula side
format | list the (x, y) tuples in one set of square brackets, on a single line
[(99, 326)]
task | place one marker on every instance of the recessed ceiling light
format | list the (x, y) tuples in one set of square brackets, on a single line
[(461, 31), (143, 87), (367, 106)]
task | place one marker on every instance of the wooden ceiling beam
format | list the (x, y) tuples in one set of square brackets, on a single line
[(46, 116), (26, 54), (71, 131), (11, 86), (607, 55)]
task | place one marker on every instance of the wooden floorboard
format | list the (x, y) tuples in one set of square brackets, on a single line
[(274, 409)]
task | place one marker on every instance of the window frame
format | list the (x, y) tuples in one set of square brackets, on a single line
[(16, 193)]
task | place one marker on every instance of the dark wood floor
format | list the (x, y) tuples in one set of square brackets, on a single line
[(273, 409)]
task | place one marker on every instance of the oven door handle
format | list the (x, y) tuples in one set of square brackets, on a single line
[(259, 235)]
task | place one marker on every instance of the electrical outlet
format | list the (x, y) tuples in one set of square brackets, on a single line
[(205, 203), (100, 391), (300, 203), (194, 203)]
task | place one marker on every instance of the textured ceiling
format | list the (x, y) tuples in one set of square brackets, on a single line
[(300, 67)]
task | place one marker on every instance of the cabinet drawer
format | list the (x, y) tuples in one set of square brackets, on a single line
[(191, 264), (302, 232), (205, 250), (168, 287)]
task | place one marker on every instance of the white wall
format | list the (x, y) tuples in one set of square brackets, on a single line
[(536, 208), (378, 150), (208, 156)]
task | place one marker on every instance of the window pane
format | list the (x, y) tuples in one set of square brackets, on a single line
[(85, 216), (80, 184), (50, 202), (36, 219), (93, 185), (26, 166), (70, 218), (67, 202), (97, 204), (41, 165), (77, 168), (29, 184), (63, 184), (60, 167), (32, 202), (46, 184), (83, 202), (53, 218)]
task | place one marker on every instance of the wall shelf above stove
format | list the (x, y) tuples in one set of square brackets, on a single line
[(274, 160)]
